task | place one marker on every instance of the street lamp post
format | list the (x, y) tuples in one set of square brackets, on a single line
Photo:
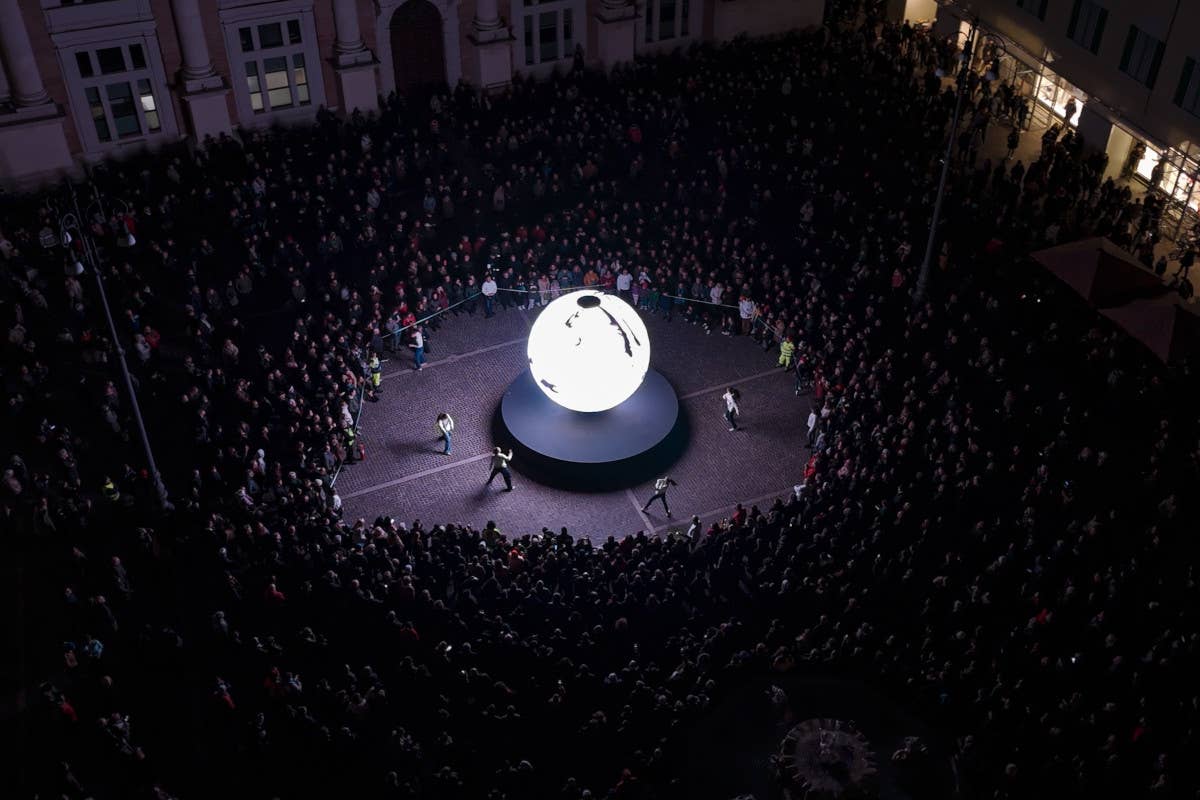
[(923, 277), (73, 220)]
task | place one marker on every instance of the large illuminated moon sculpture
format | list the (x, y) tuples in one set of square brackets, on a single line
[(588, 351)]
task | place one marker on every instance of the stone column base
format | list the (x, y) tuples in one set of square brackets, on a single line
[(616, 35), (357, 88), (33, 146), (208, 112), (494, 51)]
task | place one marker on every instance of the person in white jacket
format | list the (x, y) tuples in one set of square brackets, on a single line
[(445, 426)]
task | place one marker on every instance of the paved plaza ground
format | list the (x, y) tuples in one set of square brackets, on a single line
[(473, 360)]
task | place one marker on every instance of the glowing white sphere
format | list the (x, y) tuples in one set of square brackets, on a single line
[(588, 351)]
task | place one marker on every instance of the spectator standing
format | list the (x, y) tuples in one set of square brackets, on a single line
[(489, 290), (418, 347)]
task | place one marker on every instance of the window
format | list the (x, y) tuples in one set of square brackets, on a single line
[(99, 118), (84, 60), (149, 106), (122, 109), (111, 60), (1086, 27), (1035, 7), (548, 30), (1142, 56), (270, 36), (117, 87), (666, 20), (274, 64), (1187, 95)]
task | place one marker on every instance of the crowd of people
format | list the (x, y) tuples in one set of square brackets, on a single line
[(993, 525)]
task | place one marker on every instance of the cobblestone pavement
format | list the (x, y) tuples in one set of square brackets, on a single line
[(405, 474)]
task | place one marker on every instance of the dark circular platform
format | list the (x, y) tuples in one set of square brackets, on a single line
[(618, 447)]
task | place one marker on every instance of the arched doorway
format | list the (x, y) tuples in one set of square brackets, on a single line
[(418, 48)]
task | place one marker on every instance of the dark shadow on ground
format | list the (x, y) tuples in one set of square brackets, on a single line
[(730, 750)]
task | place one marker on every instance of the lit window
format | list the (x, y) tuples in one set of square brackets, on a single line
[(118, 109), (276, 55), (149, 106), (301, 77), (254, 87), (279, 91)]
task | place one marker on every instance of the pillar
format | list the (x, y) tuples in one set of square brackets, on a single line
[(5, 92), (493, 45), (20, 62), (353, 62), (204, 93), (33, 137), (1094, 127), (616, 32)]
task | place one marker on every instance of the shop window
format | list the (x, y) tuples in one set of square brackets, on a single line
[(1187, 95), (1086, 27), (1035, 7), (1142, 56)]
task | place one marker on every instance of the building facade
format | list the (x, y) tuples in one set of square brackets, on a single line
[(1132, 68), (85, 80)]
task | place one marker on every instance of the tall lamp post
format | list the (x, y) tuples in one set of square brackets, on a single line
[(73, 231), (965, 56)]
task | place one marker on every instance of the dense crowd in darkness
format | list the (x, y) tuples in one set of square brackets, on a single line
[(994, 525)]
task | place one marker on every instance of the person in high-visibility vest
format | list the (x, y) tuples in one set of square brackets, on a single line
[(111, 492), (376, 370), (786, 351), (351, 437)]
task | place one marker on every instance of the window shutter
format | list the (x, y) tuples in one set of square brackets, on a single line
[(1074, 19), (1159, 49), (1185, 80), (1042, 10), (1101, 19), (1127, 53)]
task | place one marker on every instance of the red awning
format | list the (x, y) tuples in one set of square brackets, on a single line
[(1170, 329), (1102, 273)]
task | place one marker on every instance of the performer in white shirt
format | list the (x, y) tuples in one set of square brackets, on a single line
[(731, 407), (660, 493), (445, 425)]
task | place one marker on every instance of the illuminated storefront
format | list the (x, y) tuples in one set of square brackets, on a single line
[(1179, 178)]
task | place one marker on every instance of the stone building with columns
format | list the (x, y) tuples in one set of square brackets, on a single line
[(83, 80)]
